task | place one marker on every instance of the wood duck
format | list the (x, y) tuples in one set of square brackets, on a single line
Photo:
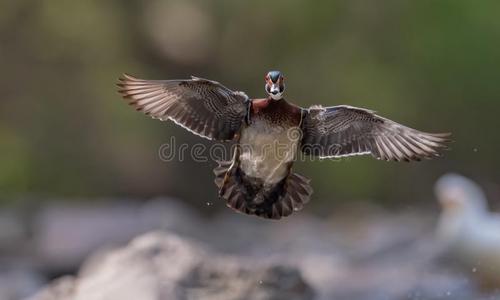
[(270, 133)]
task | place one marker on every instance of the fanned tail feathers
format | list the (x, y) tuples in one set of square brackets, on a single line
[(247, 195)]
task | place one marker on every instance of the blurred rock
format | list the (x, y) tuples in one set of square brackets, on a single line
[(352, 255), (468, 232), (161, 265), (62, 288), (64, 235)]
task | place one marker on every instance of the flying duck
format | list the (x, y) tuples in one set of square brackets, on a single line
[(270, 134)]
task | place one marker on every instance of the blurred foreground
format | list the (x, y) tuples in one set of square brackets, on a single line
[(355, 253)]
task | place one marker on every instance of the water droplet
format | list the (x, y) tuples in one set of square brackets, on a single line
[(475, 149), (260, 281), (474, 270), (448, 293), (209, 204)]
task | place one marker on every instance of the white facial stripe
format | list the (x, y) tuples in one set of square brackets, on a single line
[(278, 96)]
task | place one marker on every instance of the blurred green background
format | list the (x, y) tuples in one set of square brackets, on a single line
[(66, 134)]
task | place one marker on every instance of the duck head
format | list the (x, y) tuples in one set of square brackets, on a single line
[(275, 84)]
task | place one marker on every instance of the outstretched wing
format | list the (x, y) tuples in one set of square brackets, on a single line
[(202, 106), (342, 130)]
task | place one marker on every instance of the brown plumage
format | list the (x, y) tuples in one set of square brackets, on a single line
[(269, 134)]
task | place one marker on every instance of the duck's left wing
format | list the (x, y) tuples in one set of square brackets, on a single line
[(343, 130), (202, 106)]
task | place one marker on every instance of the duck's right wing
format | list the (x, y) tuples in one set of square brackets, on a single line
[(202, 106)]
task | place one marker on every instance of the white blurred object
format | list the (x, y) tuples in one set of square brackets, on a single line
[(467, 229)]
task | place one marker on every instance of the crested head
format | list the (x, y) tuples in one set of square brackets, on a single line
[(275, 84)]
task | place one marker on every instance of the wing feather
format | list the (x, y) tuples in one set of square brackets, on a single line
[(202, 106), (343, 130)]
